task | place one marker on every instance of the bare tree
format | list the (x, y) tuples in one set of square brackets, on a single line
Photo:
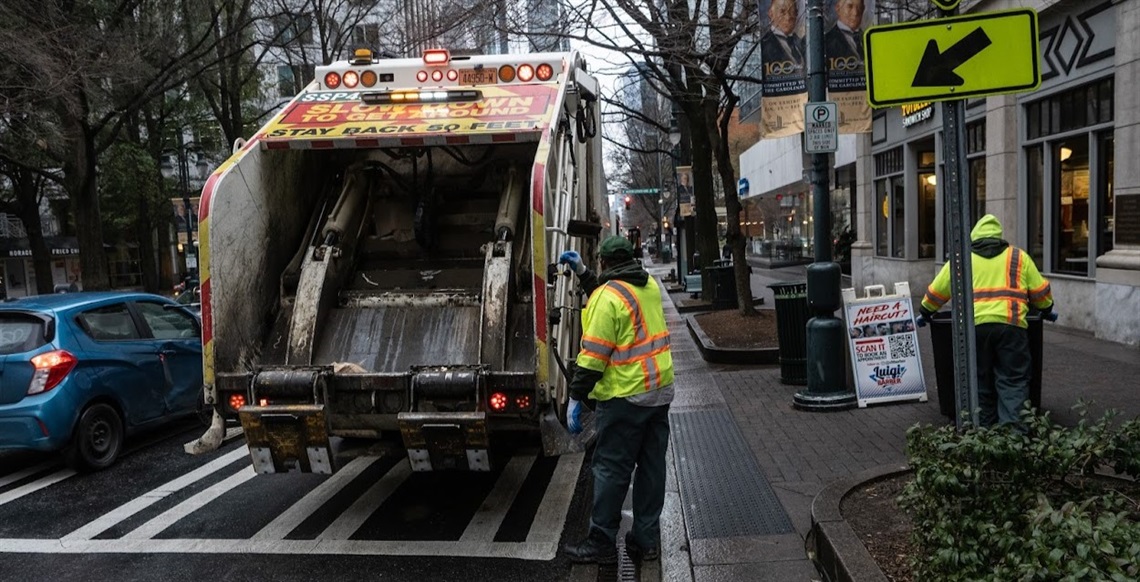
[(686, 52)]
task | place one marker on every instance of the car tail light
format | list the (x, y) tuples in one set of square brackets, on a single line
[(332, 80), (526, 73), (236, 401), (51, 369), (499, 402), (544, 72)]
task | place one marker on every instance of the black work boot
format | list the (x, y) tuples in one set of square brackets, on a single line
[(595, 549), (638, 553)]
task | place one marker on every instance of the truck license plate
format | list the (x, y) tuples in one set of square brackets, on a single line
[(478, 76)]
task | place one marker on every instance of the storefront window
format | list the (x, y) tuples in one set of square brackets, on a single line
[(1035, 164), (1077, 162), (883, 206), (890, 190), (927, 201), (1107, 211), (1071, 208)]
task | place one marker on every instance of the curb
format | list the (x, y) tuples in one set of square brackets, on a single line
[(836, 549), (738, 356)]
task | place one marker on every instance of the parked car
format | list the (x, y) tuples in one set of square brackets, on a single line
[(81, 371)]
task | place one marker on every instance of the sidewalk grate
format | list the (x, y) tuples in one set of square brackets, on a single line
[(725, 494)]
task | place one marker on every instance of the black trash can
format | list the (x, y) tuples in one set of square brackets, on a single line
[(723, 286), (942, 341), (792, 315)]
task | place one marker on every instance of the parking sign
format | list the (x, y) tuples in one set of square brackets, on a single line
[(821, 128)]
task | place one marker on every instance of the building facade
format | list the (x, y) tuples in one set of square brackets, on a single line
[(1043, 162)]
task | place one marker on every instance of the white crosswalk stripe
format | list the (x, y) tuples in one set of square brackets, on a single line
[(300, 511), (351, 520), (20, 475), (477, 539), (490, 515), (29, 488)]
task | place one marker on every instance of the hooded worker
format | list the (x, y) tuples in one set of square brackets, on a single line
[(1006, 284), (626, 367)]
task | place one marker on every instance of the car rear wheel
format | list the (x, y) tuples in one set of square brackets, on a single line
[(98, 439)]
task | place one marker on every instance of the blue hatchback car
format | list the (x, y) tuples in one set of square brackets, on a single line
[(80, 371)]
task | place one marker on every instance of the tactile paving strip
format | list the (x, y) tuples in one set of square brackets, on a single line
[(724, 492)]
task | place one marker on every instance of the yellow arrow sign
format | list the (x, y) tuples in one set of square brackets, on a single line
[(974, 55)]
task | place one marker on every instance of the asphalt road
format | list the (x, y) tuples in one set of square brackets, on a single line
[(160, 514)]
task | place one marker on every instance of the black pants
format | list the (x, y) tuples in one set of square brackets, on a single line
[(1004, 364), (630, 436)]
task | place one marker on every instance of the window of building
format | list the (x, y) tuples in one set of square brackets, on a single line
[(890, 213), (366, 35), (293, 28), (1069, 165), (292, 78), (927, 199), (976, 154)]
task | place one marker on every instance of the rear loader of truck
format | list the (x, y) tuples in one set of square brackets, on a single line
[(379, 262)]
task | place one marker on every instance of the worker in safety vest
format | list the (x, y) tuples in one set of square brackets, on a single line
[(626, 368), (1006, 283)]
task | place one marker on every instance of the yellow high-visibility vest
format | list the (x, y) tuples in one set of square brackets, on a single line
[(1004, 287), (624, 337)]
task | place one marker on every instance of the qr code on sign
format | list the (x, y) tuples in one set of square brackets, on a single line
[(902, 345)]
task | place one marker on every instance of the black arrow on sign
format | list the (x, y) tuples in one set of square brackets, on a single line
[(937, 68)]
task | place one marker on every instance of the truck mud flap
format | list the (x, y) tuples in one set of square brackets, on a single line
[(446, 440), (288, 438)]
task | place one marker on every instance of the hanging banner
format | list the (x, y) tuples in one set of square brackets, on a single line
[(784, 67), (884, 345), (845, 21)]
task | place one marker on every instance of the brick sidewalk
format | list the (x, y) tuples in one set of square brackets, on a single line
[(802, 452)]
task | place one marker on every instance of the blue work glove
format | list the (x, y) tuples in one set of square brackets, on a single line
[(574, 416), (574, 260)]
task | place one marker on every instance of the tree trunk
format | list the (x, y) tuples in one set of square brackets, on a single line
[(28, 209), (80, 181), (734, 236), (704, 196)]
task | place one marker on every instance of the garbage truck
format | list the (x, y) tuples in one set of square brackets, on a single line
[(379, 261)]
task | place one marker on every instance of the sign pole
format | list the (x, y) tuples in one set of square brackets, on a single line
[(826, 334), (957, 205)]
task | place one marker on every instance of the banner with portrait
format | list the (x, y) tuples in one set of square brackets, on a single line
[(844, 23), (783, 54)]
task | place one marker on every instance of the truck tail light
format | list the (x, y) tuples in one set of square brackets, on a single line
[(499, 401), (436, 57), (526, 73), (332, 80), (51, 369), (522, 402), (236, 401), (544, 72)]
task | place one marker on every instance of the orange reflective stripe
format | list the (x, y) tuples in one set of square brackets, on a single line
[(931, 292), (598, 340), (639, 357), (645, 374), (595, 355), (1041, 292), (627, 296), (1015, 283)]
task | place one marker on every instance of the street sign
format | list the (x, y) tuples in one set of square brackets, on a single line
[(988, 53), (642, 191), (821, 127), (742, 187), (946, 4)]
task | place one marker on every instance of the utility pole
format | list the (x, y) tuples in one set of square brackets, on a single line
[(826, 334)]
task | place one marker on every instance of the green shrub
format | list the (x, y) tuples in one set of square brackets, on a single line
[(996, 504)]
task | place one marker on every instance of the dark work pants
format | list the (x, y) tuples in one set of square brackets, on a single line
[(1004, 364), (630, 436)]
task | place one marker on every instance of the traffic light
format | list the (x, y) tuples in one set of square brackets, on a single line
[(628, 202)]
